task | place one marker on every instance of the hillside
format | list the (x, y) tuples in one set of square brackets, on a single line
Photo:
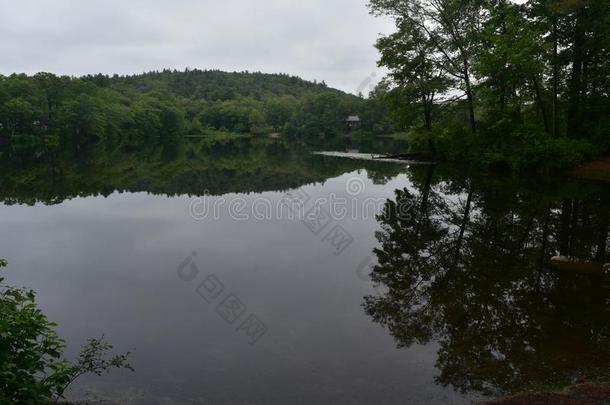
[(43, 112), (214, 85)]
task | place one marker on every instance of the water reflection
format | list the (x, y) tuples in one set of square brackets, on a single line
[(470, 268), (467, 275), (239, 166)]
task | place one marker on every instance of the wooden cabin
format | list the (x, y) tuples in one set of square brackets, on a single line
[(353, 122)]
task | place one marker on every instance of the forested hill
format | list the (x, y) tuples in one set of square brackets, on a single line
[(213, 85), (45, 112)]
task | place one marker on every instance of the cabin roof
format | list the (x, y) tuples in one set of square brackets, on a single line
[(353, 118)]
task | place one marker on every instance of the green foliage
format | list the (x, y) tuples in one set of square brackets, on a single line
[(410, 54), (32, 370), (162, 108), (213, 85), (214, 162), (457, 144), (527, 80), (550, 153), (280, 110)]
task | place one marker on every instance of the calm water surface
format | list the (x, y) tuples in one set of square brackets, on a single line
[(445, 295)]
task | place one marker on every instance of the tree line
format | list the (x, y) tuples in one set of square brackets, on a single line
[(45, 112), (488, 82), (497, 81)]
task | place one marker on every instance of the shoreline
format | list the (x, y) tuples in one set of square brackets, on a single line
[(587, 393)]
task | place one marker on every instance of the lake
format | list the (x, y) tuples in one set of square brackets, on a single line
[(268, 275)]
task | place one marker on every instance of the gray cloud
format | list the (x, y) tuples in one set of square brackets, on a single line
[(329, 40)]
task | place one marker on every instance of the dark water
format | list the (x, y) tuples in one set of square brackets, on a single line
[(444, 296)]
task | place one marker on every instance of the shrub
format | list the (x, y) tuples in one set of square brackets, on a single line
[(547, 153), (457, 145), (527, 148), (32, 369)]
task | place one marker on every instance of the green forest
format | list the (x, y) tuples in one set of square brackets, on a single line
[(499, 83), (44, 112), (489, 83)]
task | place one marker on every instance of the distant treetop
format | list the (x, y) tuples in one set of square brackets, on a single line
[(214, 85)]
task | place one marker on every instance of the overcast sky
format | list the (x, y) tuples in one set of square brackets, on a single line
[(329, 40)]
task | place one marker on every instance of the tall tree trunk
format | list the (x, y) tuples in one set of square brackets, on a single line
[(428, 119), (555, 78), (427, 107), (576, 78), (427, 114), (545, 119), (470, 97)]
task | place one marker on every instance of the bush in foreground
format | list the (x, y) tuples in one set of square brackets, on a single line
[(32, 367)]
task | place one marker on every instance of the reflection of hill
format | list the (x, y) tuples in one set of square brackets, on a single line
[(469, 269), (234, 168)]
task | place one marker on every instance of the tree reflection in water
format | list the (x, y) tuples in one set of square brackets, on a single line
[(470, 269)]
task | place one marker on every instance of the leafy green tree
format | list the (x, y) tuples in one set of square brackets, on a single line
[(280, 110), (416, 68), (82, 122), (451, 27), (32, 370), (18, 115), (156, 108), (511, 65), (172, 124), (579, 39)]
